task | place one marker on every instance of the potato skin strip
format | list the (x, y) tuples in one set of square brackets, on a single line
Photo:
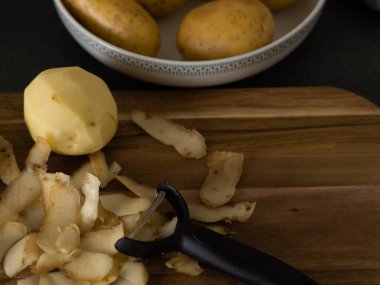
[(38, 156), (10, 233), (102, 241), (22, 254), (88, 266), (63, 211), (122, 205), (189, 143), (225, 169), (89, 209), (183, 264), (99, 167), (18, 195), (9, 169), (240, 212), (138, 189)]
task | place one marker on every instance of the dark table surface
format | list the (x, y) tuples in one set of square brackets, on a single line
[(342, 51)]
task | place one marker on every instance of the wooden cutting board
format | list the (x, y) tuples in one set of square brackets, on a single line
[(312, 163)]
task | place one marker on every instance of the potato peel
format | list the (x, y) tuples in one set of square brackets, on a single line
[(22, 254), (102, 241), (122, 205), (183, 264), (133, 273), (225, 169), (38, 156), (240, 212), (68, 239), (189, 143), (88, 266), (63, 211), (76, 228), (99, 167), (138, 189), (18, 195), (89, 209), (33, 215), (10, 233), (48, 262), (9, 169)]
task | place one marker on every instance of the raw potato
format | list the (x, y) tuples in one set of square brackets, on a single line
[(72, 109), (225, 28), (22, 254), (188, 142), (8, 165), (123, 23), (10, 233), (278, 4), (160, 8), (225, 169), (240, 212)]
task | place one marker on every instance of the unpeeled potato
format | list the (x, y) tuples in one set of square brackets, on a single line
[(224, 28), (277, 4), (124, 23), (160, 8)]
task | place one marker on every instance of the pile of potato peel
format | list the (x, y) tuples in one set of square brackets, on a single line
[(62, 228)]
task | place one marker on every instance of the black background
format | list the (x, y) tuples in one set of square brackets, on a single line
[(342, 51)]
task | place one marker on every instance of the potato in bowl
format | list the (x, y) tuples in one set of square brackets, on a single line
[(224, 28)]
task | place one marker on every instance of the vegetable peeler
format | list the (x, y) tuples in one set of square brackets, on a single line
[(211, 248)]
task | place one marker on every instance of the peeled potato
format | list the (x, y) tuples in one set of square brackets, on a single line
[(224, 28), (72, 109)]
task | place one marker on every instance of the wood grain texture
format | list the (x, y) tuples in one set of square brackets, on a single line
[(312, 163)]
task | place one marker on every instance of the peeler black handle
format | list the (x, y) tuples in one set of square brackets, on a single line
[(237, 259)]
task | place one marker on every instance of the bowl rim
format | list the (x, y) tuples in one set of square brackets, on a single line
[(318, 7)]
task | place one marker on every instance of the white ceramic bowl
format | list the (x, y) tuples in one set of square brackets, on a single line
[(293, 24)]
